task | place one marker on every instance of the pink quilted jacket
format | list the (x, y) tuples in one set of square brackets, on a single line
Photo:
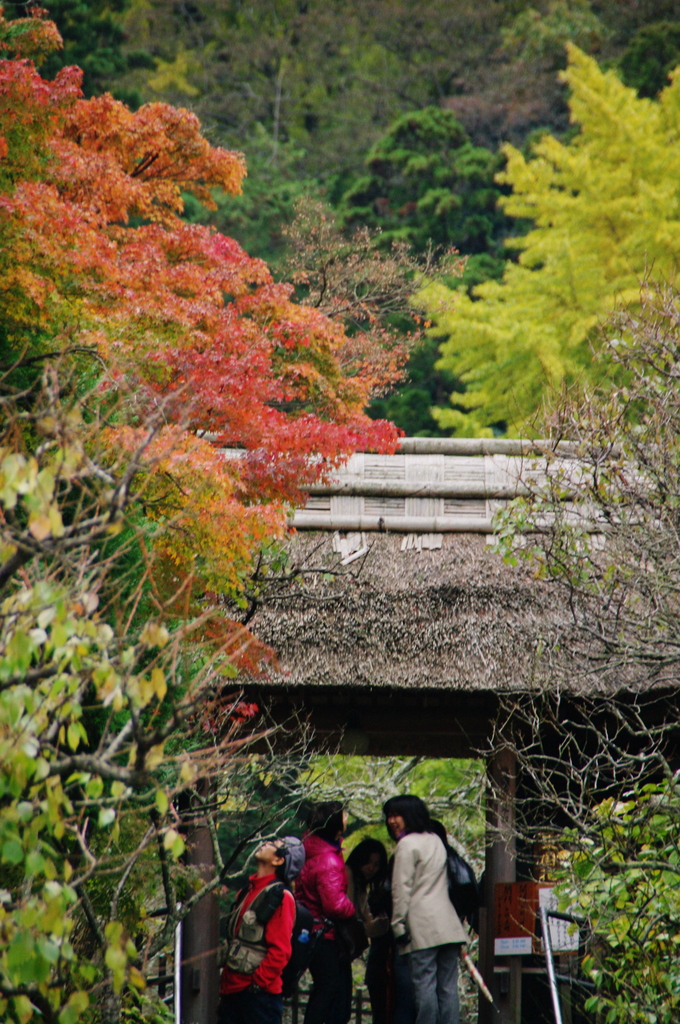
[(322, 883)]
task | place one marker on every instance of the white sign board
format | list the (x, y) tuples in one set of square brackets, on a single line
[(564, 937), (518, 946)]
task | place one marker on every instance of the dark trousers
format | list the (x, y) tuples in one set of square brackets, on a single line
[(330, 1001), (378, 979), (254, 1006), (435, 980), (388, 980), (405, 1011)]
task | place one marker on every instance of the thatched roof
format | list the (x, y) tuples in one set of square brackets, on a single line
[(450, 616), (414, 600), (402, 628)]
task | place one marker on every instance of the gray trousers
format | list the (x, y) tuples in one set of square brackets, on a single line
[(434, 972)]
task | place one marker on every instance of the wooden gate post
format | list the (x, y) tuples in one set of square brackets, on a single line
[(200, 937), (500, 866)]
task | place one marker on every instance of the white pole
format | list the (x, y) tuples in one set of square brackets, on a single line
[(550, 965), (178, 971)]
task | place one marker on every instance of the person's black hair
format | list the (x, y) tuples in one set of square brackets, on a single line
[(280, 869), (280, 872), (439, 830), (325, 820), (361, 855), (412, 809)]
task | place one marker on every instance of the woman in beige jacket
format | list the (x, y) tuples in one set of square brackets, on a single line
[(425, 925)]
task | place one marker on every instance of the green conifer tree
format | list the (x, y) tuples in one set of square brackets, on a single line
[(427, 184), (651, 55)]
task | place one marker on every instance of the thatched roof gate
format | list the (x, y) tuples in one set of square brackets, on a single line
[(403, 627)]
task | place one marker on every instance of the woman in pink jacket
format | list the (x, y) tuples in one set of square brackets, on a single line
[(322, 888)]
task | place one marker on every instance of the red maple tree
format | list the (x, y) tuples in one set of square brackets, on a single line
[(184, 326)]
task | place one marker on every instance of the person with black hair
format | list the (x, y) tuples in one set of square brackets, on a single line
[(388, 976), (425, 924), (322, 888), (260, 931), (367, 870), (366, 873)]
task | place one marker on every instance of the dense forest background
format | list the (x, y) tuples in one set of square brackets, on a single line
[(390, 111)]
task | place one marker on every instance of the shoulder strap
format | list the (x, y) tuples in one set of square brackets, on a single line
[(239, 897), (264, 906), (235, 911), (268, 901)]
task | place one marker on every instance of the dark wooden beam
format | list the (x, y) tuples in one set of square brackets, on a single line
[(429, 723), (500, 866)]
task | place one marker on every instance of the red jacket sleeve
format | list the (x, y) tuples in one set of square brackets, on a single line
[(332, 889), (278, 935)]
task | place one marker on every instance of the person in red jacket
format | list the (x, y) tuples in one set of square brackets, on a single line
[(260, 936), (322, 888)]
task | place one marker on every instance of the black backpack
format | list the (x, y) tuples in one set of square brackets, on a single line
[(463, 888), (304, 941)]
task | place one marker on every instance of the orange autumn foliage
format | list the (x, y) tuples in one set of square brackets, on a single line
[(193, 334)]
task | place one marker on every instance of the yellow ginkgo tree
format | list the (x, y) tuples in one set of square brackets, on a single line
[(605, 208)]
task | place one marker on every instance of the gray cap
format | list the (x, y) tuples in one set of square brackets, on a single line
[(293, 858)]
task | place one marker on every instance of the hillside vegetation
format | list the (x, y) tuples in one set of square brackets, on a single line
[(396, 113)]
